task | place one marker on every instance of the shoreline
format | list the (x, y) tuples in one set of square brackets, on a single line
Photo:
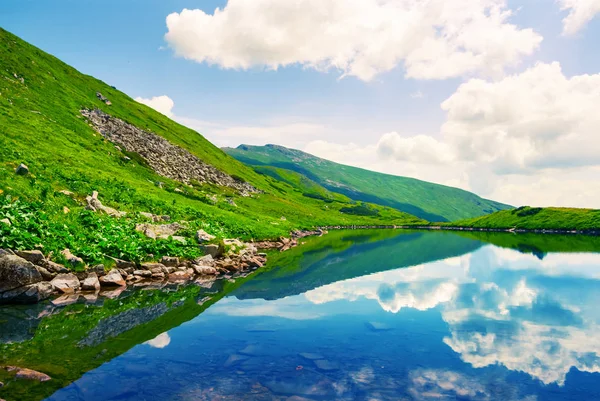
[(593, 232), (28, 277)]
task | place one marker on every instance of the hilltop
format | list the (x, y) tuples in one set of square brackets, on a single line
[(76, 135), (432, 202)]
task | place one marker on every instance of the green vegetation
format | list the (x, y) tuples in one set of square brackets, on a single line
[(528, 218), (41, 126), (428, 201)]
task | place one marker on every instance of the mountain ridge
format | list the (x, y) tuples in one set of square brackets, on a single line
[(429, 201)]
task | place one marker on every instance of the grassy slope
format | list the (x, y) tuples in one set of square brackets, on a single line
[(40, 125), (527, 218), (429, 201)]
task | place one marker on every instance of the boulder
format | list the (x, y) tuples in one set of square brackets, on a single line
[(91, 283), (206, 260), (98, 269), (112, 279), (152, 266), (202, 236), (16, 272), (94, 204), (163, 231), (67, 283), (142, 273), (36, 257), (124, 264), (28, 294), (73, 260), (22, 169)]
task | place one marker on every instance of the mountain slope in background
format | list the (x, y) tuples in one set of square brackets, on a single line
[(65, 126), (426, 200)]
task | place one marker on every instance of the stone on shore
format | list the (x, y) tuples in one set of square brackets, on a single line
[(36, 257), (16, 272), (112, 279), (67, 283), (46, 275), (170, 261), (91, 283), (205, 270), (55, 267), (28, 294), (213, 250)]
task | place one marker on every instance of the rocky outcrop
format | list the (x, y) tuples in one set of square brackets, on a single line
[(163, 157)]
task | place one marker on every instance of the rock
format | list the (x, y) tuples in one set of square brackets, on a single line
[(202, 236), (170, 261), (158, 276), (67, 283), (36, 257), (124, 264), (205, 270), (16, 272), (98, 269), (233, 242), (163, 231), (46, 275), (142, 273), (74, 261), (29, 374), (66, 299), (213, 250), (179, 276), (91, 283), (22, 169), (29, 294), (55, 267), (206, 260), (152, 265), (94, 204), (112, 279), (6, 222)]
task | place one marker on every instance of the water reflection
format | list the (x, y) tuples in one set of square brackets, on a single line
[(383, 316)]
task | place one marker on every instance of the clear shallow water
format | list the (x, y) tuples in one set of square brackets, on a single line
[(371, 318)]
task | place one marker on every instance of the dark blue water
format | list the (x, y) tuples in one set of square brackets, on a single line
[(488, 324)]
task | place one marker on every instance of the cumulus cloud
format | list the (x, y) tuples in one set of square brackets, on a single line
[(581, 12), (416, 149), (163, 104), (433, 39)]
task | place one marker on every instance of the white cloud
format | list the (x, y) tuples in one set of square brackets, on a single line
[(416, 149), (433, 39), (161, 341), (163, 104), (581, 12)]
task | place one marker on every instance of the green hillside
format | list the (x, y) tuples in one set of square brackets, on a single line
[(42, 126), (536, 218), (426, 200)]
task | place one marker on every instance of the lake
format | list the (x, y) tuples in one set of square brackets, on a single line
[(353, 315)]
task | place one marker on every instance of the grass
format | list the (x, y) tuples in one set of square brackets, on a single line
[(41, 126), (426, 200), (529, 218)]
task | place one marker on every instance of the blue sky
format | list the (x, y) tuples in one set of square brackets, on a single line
[(391, 121)]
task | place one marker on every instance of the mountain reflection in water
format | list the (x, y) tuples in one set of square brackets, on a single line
[(381, 315)]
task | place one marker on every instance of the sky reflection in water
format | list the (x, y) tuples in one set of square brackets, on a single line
[(493, 324)]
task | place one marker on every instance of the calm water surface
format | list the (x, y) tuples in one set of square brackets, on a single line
[(350, 316)]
